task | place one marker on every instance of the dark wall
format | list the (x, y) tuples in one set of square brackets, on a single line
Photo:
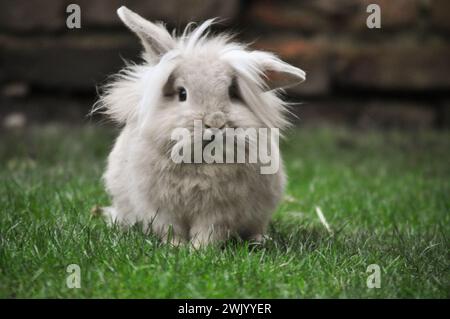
[(394, 76)]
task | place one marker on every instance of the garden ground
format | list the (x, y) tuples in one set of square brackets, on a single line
[(384, 194)]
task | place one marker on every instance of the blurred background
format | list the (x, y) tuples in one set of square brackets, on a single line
[(396, 76)]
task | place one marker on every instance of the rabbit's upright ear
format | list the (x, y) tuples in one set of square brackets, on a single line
[(155, 37)]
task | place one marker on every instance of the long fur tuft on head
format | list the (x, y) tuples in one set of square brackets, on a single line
[(125, 99)]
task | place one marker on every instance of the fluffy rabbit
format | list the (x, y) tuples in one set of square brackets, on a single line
[(192, 76)]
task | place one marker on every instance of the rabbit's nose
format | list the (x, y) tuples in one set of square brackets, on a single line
[(215, 120)]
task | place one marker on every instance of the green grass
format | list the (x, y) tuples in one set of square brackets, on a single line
[(386, 196)]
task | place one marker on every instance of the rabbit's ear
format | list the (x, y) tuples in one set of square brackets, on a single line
[(155, 37), (279, 74)]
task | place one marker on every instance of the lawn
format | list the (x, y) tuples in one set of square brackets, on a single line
[(384, 194)]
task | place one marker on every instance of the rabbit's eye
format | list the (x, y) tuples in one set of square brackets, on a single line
[(233, 90), (182, 94)]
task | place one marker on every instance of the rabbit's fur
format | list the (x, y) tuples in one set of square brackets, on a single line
[(197, 203)]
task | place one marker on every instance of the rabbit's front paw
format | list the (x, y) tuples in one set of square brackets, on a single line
[(109, 214), (202, 236), (257, 239), (175, 241)]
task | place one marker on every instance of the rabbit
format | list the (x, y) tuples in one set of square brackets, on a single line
[(183, 78)]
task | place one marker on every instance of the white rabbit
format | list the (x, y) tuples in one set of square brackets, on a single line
[(190, 77)]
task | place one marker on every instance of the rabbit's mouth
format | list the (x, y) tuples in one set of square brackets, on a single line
[(224, 146), (211, 134)]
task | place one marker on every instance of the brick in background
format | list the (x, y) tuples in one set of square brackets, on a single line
[(286, 15), (331, 16), (440, 14), (32, 15), (397, 14), (68, 63), (394, 66), (50, 15), (173, 12)]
